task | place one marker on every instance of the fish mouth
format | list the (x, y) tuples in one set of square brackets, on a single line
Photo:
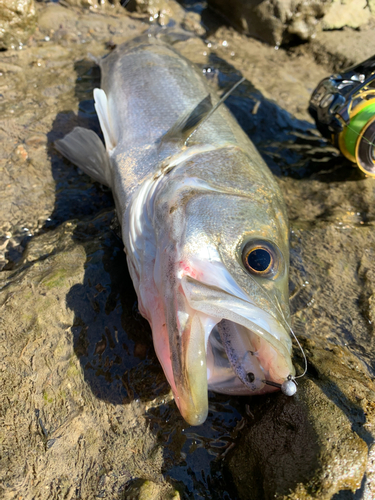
[(246, 364), (230, 345)]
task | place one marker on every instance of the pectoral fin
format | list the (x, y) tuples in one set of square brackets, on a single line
[(106, 124), (85, 149)]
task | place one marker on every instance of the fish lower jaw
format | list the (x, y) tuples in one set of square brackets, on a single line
[(244, 364), (241, 391)]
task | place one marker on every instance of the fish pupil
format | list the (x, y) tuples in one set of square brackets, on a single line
[(250, 377), (259, 259)]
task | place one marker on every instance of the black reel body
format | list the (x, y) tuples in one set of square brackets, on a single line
[(343, 107)]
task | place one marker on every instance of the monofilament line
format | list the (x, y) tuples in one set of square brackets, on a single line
[(364, 138), (219, 103), (279, 308)]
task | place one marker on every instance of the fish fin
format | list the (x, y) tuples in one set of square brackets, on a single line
[(85, 149), (101, 107), (169, 36), (93, 58), (173, 37), (188, 122), (214, 108)]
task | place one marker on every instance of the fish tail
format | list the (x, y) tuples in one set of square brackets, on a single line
[(84, 148)]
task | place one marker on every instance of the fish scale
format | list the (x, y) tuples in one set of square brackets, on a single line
[(191, 193)]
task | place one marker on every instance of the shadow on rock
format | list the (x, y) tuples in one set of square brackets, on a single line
[(112, 341), (76, 195), (303, 447), (278, 449), (290, 147)]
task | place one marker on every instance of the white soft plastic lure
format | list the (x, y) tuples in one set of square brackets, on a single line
[(203, 223)]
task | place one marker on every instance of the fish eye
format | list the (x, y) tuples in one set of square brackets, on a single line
[(261, 258)]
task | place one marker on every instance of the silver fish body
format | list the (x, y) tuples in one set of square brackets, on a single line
[(193, 196)]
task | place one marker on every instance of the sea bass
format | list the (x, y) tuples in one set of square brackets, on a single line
[(203, 223)]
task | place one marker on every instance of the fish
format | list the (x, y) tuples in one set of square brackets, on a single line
[(203, 221)]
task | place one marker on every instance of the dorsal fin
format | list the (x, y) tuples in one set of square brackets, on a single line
[(214, 108), (188, 122)]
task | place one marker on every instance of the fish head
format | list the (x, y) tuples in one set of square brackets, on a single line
[(221, 272)]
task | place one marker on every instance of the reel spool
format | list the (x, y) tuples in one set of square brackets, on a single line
[(343, 107), (357, 140)]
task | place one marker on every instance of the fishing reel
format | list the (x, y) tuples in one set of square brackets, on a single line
[(343, 107)]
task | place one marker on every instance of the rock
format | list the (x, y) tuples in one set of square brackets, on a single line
[(17, 22), (53, 16), (95, 5), (278, 22), (351, 13), (86, 410), (339, 49), (143, 489), (168, 13), (371, 6), (192, 22), (60, 421), (369, 490), (273, 22), (308, 446), (161, 10)]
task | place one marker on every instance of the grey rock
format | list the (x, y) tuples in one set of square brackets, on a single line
[(162, 11)]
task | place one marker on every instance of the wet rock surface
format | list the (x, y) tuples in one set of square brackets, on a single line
[(85, 409), (289, 448), (280, 21), (17, 22)]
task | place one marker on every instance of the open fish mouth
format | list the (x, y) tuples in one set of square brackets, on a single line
[(241, 362), (230, 345)]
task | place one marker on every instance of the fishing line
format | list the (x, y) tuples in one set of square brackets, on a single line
[(279, 308), (303, 353), (277, 305), (219, 103), (294, 336), (364, 138)]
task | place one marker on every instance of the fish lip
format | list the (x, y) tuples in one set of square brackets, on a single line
[(236, 297), (281, 343)]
